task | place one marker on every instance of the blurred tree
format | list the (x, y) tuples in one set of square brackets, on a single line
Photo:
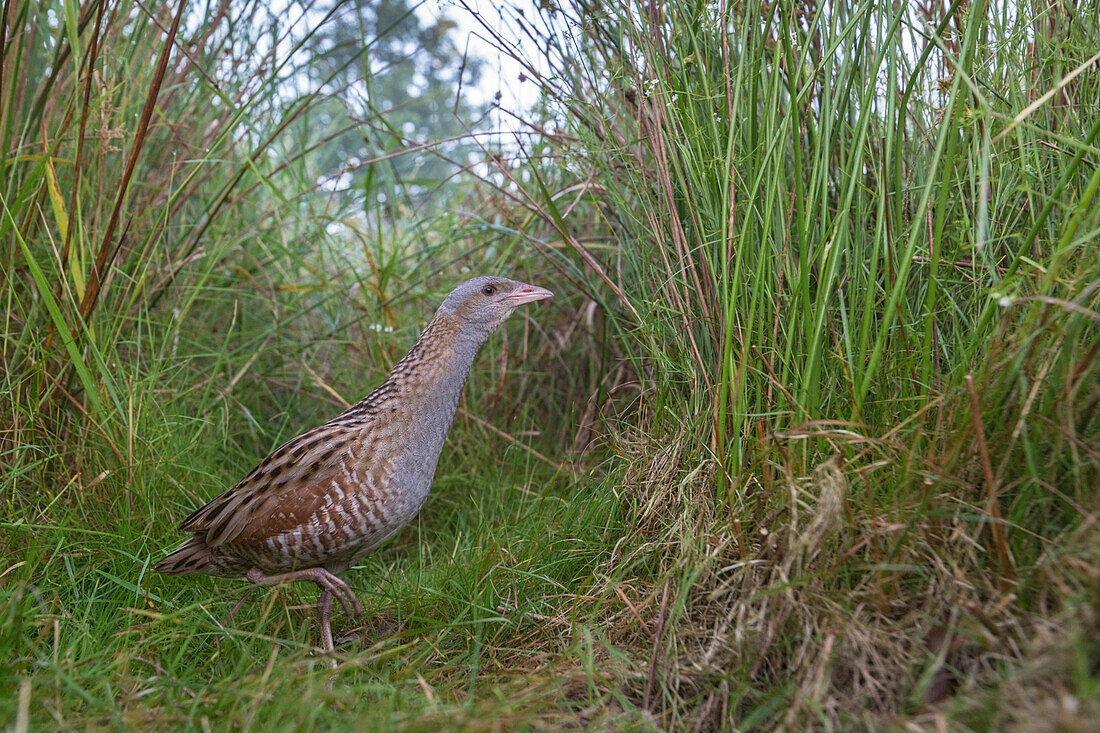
[(405, 82)]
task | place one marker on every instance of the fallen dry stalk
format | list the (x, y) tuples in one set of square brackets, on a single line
[(1006, 574)]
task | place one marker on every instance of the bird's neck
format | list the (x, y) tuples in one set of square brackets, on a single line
[(435, 369), (423, 390)]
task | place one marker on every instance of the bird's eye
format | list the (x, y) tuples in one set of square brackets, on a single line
[(488, 290)]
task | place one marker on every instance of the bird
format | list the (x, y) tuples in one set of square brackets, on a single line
[(325, 499)]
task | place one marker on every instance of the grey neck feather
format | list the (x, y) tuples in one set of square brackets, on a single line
[(437, 400), (429, 405)]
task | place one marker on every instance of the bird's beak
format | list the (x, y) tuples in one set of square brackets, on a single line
[(528, 294)]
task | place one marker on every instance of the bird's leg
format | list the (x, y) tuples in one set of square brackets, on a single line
[(237, 606), (346, 592), (319, 576), (324, 612), (324, 603), (324, 580)]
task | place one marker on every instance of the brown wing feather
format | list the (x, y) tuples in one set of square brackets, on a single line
[(326, 521), (297, 467), (277, 516)]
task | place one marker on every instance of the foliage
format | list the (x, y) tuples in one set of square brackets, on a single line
[(808, 438), (854, 247)]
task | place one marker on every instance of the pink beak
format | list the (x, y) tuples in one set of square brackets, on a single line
[(528, 294)]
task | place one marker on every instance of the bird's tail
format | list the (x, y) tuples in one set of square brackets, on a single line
[(192, 557)]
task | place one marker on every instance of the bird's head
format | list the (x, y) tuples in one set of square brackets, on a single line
[(481, 304)]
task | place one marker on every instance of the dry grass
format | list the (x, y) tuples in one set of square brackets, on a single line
[(826, 608)]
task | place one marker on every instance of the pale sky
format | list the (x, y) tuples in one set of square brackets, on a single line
[(500, 72)]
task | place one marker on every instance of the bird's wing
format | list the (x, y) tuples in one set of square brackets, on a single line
[(294, 479)]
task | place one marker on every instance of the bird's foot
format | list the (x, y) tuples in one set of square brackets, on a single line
[(343, 592), (322, 578)]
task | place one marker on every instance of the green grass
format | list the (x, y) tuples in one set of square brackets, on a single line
[(809, 437), (449, 606)]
